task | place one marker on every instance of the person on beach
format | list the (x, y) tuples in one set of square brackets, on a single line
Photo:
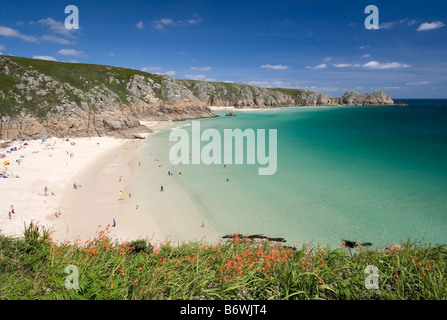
[(203, 224), (9, 215), (120, 178), (136, 208), (45, 189), (114, 223), (12, 209), (161, 189)]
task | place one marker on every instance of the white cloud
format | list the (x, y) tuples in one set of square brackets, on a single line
[(383, 66), (194, 21), (112, 55), (274, 67), (364, 47), (48, 58), (140, 25), (408, 21), (9, 32), (387, 25), (342, 65), (148, 69), (71, 52), (170, 73), (200, 77), (202, 68), (160, 24), (2, 47), (392, 88), (366, 56), (426, 26), (346, 65), (327, 59), (57, 27), (318, 67), (165, 22), (158, 69), (55, 39), (418, 83)]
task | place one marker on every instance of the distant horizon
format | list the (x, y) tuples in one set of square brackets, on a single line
[(333, 96)]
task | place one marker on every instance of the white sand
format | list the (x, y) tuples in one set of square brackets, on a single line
[(44, 164), (102, 167), (233, 109)]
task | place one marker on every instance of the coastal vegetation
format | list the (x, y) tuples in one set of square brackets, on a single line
[(34, 267), (41, 98)]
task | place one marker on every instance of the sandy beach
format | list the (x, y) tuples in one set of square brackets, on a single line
[(89, 184), (233, 109), (52, 163)]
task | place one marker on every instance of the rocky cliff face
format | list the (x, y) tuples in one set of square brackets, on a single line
[(244, 96), (41, 99), (374, 99)]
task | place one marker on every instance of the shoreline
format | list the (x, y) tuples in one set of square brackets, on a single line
[(170, 216), (178, 218), (52, 163)]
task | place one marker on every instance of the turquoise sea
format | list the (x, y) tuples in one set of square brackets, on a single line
[(367, 174)]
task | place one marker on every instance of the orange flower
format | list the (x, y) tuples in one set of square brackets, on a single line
[(396, 276), (111, 286)]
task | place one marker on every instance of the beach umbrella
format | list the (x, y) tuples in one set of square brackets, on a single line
[(122, 193), (6, 163)]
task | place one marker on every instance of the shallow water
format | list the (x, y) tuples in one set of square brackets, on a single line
[(365, 174)]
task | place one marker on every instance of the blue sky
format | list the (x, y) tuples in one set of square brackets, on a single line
[(315, 45)]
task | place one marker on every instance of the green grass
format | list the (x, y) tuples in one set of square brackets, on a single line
[(34, 268), (84, 77)]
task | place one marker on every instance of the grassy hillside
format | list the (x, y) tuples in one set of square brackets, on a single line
[(40, 87), (34, 268), (84, 77)]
